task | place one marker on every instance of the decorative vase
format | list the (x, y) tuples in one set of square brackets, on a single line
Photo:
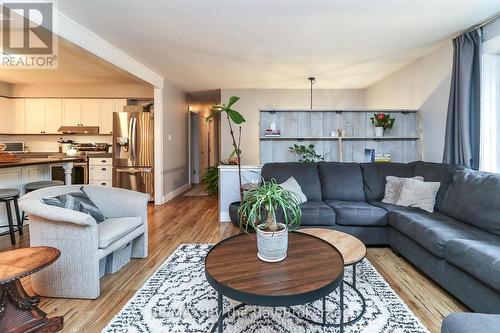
[(379, 131), (272, 245), (234, 207)]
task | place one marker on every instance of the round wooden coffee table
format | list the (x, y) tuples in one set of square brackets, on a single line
[(353, 251), (18, 311), (312, 270)]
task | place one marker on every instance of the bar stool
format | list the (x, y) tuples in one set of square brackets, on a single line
[(33, 186), (7, 195)]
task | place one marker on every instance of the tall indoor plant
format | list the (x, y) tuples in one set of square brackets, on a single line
[(234, 118), (260, 207)]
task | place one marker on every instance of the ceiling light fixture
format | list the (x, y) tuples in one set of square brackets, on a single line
[(313, 81)]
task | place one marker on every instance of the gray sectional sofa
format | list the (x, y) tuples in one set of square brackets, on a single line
[(458, 245)]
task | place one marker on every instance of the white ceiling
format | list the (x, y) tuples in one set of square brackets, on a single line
[(207, 44), (75, 65)]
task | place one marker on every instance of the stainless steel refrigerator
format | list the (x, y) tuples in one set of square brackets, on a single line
[(133, 151)]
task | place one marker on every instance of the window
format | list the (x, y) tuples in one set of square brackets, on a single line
[(490, 106)]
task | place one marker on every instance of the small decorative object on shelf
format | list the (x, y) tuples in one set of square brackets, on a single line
[(382, 121), (259, 207), (369, 155), (382, 158), (271, 133)]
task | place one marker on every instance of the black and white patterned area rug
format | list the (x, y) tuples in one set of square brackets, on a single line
[(177, 298)]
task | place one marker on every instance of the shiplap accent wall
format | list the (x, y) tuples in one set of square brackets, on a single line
[(314, 127)]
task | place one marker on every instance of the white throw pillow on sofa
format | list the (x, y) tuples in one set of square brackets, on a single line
[(393, 188), (416, 193), (293, 186)]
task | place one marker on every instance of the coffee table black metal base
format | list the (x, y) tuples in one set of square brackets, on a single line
[(219, 326)]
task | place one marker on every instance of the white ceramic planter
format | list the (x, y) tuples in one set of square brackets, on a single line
[(272, 246), (379, 131)]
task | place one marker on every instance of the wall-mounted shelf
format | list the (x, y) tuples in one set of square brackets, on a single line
[(343, 138), (58, 134), (303, 126)]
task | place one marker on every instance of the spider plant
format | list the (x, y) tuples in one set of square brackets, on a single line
[(261, 205)]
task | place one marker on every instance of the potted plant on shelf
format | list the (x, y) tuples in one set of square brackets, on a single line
[(306, 154), (260, 207), (234, 118), (382, 121)]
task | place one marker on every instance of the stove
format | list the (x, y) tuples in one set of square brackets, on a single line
[(92, 147)]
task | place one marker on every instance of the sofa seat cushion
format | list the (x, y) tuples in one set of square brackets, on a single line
[(358, 213), (317, 213), (113, 229), (480, 259), (470, 322), (433, 231), (391, 207)]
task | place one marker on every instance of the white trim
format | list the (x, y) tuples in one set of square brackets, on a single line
[(224, 217), (175, 193), (158, 145), (79, 35)]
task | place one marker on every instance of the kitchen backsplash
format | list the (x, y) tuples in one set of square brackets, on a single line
[(45, 143)]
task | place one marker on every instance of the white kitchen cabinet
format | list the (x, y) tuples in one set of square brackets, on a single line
[(118, 104), (5, 115), (35, 116), (72, 109), (91, 112), (100, 171), (18, 119), (107, 109), (53, 115)]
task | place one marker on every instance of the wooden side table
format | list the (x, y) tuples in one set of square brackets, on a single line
[(18, 311)]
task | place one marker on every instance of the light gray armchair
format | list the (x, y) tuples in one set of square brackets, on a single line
[(83, 242)]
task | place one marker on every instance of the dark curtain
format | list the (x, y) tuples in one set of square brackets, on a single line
[(463, 119)]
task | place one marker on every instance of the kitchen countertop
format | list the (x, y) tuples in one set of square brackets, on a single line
[(40, 160)]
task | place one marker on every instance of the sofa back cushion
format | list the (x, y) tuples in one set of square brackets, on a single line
[(306, 174), (341, 181), (474, 198), (436, 172), (374, 177)]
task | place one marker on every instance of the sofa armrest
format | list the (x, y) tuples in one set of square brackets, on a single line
[(57, 214)]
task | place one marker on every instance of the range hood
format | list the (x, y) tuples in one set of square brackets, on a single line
[(79, 129)]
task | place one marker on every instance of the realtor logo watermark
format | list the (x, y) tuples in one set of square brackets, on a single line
[(27, 38)]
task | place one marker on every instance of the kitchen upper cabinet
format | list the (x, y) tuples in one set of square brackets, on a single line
[(118, 104), (35, 116), (72, 109), (91, 112), (18, 119), (106, 125), (5, 115), (53, 115)]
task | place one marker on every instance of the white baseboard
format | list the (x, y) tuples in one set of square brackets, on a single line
[(175, 193)]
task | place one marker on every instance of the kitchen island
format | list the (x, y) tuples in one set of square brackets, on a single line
[(27, 169)]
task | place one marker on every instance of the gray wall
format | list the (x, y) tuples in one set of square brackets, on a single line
[(175, 151)]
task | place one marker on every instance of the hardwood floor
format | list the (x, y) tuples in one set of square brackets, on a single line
[(194, 220)]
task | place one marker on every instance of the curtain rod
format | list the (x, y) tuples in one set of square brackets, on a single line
[(485, 22)]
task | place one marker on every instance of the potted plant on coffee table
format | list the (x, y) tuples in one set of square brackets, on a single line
[(382, 121), (260, 207)]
